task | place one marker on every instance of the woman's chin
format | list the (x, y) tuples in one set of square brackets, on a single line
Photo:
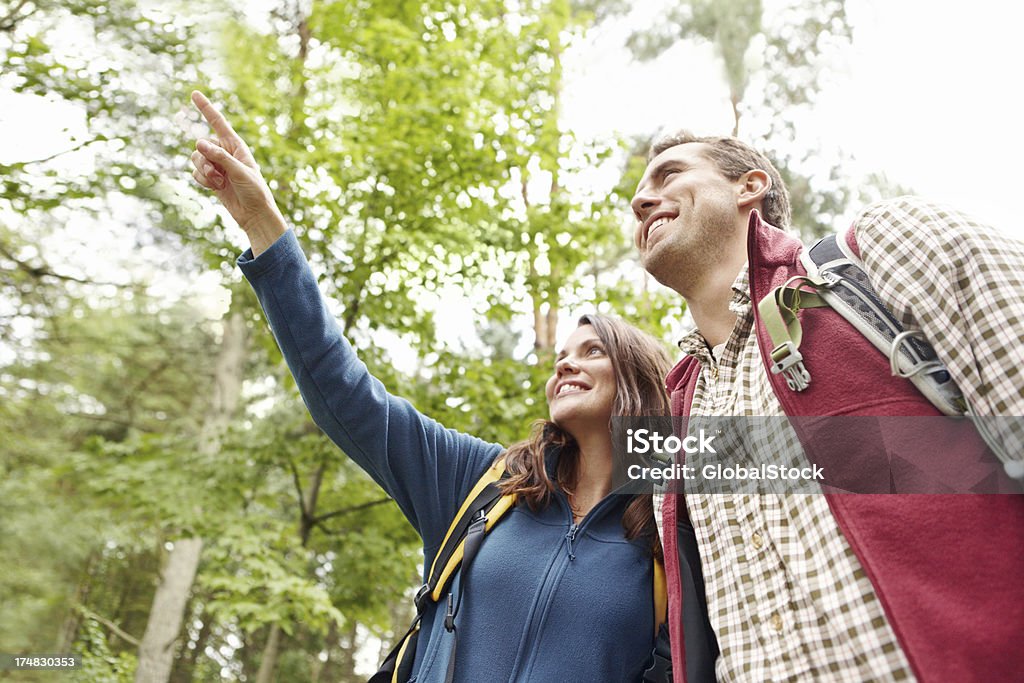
[(579, 423)]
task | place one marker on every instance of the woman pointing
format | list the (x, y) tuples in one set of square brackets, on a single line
[(561, 588)]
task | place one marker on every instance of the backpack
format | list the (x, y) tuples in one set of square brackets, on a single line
[(483, 507), (836, 279)]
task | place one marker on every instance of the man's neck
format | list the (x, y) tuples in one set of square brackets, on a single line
[(709, 294), (714, 321), (709, 304)]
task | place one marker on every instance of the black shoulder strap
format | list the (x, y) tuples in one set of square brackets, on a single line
[(846, 289)]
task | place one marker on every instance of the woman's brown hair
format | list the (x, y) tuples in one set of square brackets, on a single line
[(640, 365)]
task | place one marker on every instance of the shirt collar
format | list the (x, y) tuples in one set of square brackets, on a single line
[(740, 304), (693, 343)]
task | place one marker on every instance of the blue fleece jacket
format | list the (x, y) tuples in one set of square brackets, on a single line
[(545, 600)]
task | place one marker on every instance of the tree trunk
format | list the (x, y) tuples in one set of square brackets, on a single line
[(551, 326), (540, 334), (184, 669), (329, 644), (156, 653), (734, 99), (345, 663), (269, 660), (69, 629)]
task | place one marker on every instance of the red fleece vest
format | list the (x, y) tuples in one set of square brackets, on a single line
[(947, 569)]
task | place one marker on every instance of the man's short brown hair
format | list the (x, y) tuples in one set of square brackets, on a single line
[(734, 158)]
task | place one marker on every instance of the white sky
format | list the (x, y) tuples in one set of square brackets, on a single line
[(930, 94)]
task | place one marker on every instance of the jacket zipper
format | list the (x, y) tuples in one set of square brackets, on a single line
[(525, 663), (569, 538)]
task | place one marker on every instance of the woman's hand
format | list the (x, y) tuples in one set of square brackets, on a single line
[(226, 166)]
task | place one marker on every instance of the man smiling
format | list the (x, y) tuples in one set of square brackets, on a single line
[(852, 587)]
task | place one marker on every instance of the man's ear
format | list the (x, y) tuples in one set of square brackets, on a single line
[(753, 186)]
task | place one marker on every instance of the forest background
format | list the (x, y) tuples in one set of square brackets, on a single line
[(459, 174)]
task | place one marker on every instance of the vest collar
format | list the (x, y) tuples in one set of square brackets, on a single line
[(768, 246)]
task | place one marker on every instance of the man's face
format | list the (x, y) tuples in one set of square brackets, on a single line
[(686, 212)]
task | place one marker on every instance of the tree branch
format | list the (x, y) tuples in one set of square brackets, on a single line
[(314, 486), (120, 422), (98, 138), (298, 486), (354, 508), (40, 272), (10, 20), (89, 614)]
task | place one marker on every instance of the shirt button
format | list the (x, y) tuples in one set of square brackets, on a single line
[(757, 539), (776, 622)]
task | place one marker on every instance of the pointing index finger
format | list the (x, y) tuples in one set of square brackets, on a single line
[(215, 118)]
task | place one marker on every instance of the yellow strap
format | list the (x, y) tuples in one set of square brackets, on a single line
[(494, 473), (499, 509), (660, 596), (401, 654)]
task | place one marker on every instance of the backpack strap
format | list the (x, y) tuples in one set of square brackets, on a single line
[(474, 537), (779, 311), (480, 511), (836, 278), (485, 496), (397, 666), (660, 596)]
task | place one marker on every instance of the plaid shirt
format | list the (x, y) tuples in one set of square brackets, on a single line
[(786, 595)]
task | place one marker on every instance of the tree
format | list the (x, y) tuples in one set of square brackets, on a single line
[(129, 153), (773, 64)]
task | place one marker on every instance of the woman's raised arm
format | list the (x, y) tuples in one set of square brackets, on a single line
[(427, 469)]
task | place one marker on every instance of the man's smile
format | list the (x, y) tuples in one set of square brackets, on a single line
[(655, 221)]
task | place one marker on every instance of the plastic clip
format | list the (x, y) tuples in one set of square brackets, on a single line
[(421, 597), (449, 616), (786, 360)]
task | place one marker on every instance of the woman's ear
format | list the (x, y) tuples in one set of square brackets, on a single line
[(753, 186)]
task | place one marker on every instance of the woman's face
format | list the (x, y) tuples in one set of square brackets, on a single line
[(582, 391)]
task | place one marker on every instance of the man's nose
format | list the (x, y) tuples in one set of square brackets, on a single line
[(643, 203)]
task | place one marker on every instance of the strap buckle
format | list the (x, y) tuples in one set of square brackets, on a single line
[(921, 364), (421, 597), (787, 361), (829, 278)]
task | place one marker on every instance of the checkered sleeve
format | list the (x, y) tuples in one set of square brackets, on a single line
[(961, 283)]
